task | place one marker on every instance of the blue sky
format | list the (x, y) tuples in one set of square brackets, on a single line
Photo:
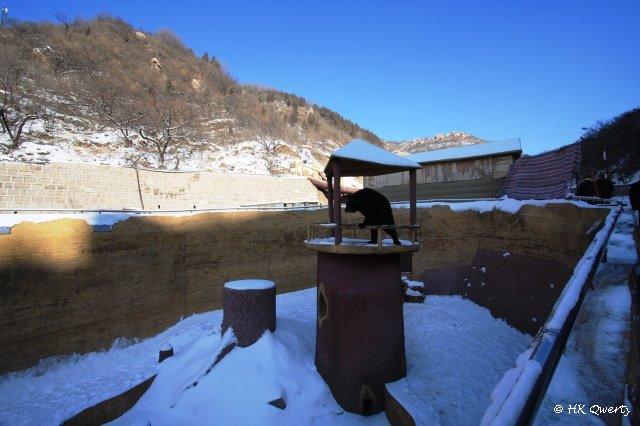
[(498, 69)]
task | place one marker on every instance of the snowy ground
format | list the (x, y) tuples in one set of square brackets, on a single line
[(443, 355), (456, 354)]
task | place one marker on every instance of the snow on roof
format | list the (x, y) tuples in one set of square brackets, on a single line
[(471, 151), (365, 159), (250, 284)]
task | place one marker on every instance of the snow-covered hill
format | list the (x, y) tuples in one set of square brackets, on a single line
[(64, 142)]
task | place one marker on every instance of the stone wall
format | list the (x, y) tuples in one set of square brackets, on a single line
[(67, 288), (88, 186)]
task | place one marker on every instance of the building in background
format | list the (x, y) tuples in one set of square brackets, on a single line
[(474, 171)]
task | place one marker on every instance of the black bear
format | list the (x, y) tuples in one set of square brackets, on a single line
[(376, 210)]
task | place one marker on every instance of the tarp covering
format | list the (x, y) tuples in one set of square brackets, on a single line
[(543, 176)]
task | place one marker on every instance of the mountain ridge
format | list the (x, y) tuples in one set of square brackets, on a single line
[(101, 91)]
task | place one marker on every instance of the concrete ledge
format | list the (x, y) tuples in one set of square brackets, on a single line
[(110, 409)]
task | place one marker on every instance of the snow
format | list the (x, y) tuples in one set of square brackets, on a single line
[(364, 151), (77, 142), (509, 396), (572, 289), (504, 387), (357, 242), (249, 284), (592, 370), (456, 354), (412, 292), (469, 151), (504, 204), (460, 360), (412, 284), (443, 353)]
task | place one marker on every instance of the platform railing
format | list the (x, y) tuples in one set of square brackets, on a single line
[(353, 228)]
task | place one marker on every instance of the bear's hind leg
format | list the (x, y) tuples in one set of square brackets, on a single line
[(394, 235)]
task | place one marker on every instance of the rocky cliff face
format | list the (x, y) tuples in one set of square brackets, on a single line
[(439, 141)]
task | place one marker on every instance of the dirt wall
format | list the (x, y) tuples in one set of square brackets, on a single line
[(66, 288), (556, 231)]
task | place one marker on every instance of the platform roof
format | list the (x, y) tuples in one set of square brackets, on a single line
[(489, 149), (360, 158)]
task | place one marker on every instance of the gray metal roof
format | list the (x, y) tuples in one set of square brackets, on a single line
[(489, 149)]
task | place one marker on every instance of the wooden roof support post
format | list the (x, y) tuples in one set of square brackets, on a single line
[(412, 197), (337, 219), (330, 197)]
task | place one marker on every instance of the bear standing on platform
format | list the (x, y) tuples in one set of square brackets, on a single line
[(376, 210)]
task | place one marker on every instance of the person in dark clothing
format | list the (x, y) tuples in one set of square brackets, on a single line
[(634, 197), (604, 187), (587, 188)]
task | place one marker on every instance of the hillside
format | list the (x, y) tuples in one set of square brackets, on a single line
[(613, 147), (104, 92)]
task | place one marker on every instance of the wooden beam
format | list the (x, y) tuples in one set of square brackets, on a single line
[(412, 197), (330, 197), (337, 217)]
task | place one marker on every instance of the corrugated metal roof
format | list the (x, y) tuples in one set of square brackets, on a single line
[(489, 149)]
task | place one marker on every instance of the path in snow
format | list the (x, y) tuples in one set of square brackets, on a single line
[(591, 372)]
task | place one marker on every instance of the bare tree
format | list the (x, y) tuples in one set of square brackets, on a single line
[(165, 126), (271, 134), (16, 109), (115, 105)]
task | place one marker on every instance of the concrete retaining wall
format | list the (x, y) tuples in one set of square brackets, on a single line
[(66, 288), (87, 186)]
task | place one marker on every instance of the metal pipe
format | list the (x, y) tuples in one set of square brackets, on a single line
[(549, 345)]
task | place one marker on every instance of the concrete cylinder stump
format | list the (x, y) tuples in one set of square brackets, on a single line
[(360, 328), (249, 308), (166, 351)]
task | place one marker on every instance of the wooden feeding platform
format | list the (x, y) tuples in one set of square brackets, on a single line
[(359, 158), (320, 237), (359, 285)]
